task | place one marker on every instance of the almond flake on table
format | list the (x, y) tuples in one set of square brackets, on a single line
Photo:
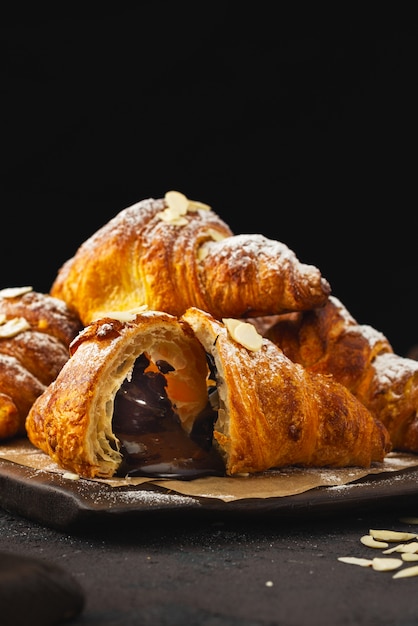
[(392, 535), (403, 547), (370, 542), (386, 564), (407, 572), (354, 560)]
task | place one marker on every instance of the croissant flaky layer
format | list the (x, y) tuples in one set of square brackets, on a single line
[(170, 259), (330, 341), (257, 408), (35, 332)]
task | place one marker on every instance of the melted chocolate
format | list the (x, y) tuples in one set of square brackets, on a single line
[(153, 442)]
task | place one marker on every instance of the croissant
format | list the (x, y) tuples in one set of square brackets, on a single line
[(35, 333), (115, 398), (173, 253), (330, 341), (159, 395), (274, 413)]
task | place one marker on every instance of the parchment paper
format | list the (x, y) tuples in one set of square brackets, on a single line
[(274, 483)]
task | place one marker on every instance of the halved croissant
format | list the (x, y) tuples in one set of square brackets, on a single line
[(35, 332), (251, 409), (75, 418), (173, 253), (274, 413), (330, 341)]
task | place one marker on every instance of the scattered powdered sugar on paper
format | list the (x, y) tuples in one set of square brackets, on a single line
[(274, 483), (333, 488), (136, 496), (152, 497), (390, 480), (398, 460)]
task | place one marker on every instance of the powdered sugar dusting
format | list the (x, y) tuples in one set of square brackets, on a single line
[(371, 335), (391, 368), (132, 217), (241, 250), (141, 497), (137, 217), (343, 313), (19, 375)]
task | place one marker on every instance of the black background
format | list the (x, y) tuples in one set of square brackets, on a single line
[(307, 136)]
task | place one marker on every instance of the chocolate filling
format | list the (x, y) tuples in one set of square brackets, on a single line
[(153, 442)]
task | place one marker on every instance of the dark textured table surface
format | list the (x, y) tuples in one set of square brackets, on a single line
[(225, 572)]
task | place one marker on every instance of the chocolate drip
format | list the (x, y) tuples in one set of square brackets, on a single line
[(153, 442)]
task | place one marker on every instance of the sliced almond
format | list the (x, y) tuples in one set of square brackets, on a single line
[(71, 476), (204, 248), (386, 565), (392, 535), (177, 202), (370, 542), (231, 324), (244, 333), (398, 548), (407, 572), (178, 205), (13, 292), (404, 547), (194, 205), (409, 556), (14, 326), (214, 235), (354, 560), (410, 547), (122, 316), (170, 217)]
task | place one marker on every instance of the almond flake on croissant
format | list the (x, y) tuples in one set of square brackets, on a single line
[(330, 341), (172, 394), (173, 253)]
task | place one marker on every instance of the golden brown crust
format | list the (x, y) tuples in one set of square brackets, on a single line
[(42, 355), (138, 259), (275, 413), (19, 389), (330, 341), (43, 312), (251, 275), (35, 332)]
